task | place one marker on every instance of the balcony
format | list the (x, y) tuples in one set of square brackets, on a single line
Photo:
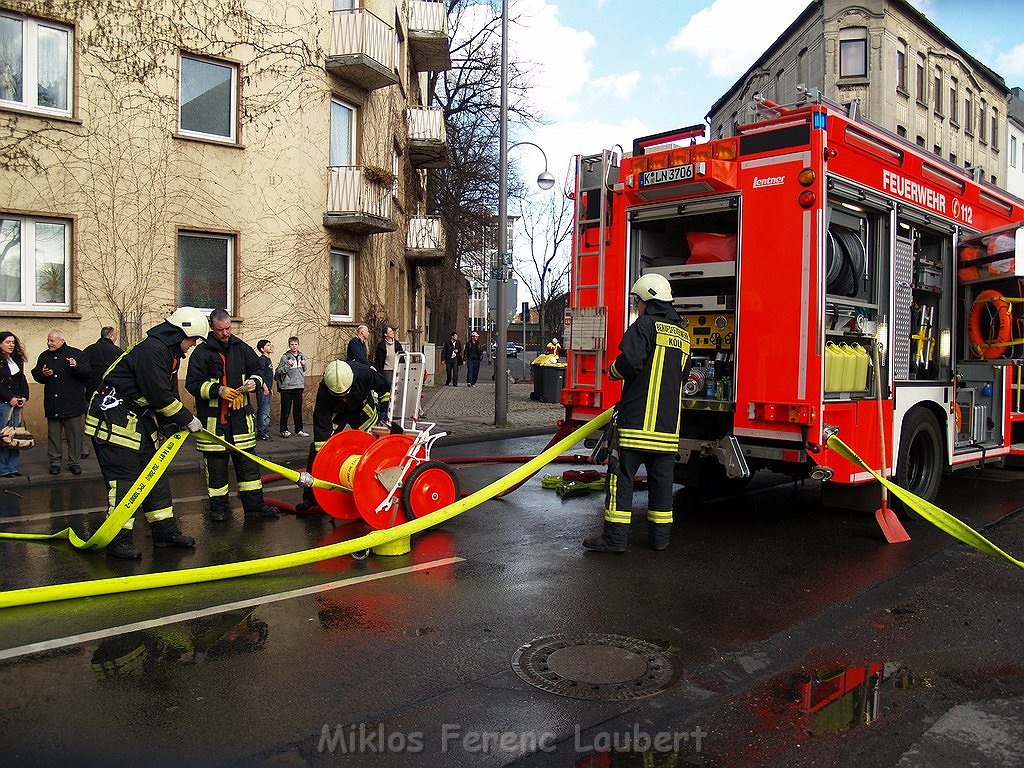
[(427, 148), (362, 50), (429, 42), (357, 204), (425, 244)]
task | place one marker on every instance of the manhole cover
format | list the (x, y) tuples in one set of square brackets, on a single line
[(600, 667)]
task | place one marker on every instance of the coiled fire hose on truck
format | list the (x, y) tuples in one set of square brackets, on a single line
[(155, 469)]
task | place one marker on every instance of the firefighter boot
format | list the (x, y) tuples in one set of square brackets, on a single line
[(308, 504), (613, 539), (658, 535), (167, 534), (261, 511), (123, 546), (220, 509)]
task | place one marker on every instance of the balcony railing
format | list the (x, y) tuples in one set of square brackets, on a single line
[(362, 49), (429, 42), (426, 241), (357, 204), (427, 148)]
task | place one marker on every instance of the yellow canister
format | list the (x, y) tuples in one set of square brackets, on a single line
[(848, 381), (834, 361), (860, 358)]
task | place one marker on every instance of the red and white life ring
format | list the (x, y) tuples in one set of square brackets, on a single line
[(1002, 327)]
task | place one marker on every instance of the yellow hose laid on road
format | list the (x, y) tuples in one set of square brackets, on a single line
[(33, 595), (127, 507), (937, 517)]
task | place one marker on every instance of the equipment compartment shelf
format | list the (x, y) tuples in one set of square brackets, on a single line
[(695, 271)]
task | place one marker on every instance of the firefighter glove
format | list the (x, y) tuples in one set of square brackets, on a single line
[(195, 425)]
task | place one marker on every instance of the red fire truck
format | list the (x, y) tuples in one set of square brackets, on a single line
[(831, 275)]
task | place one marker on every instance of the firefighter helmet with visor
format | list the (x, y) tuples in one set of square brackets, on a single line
[(652, 286), (194, 322), (338, 377)]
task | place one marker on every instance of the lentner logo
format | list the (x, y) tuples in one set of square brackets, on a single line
[(769, 181)]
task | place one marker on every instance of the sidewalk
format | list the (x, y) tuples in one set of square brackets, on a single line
[(465, 413)]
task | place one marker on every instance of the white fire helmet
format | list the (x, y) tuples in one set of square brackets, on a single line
[(194, 322), (652, 286), (338, 377)]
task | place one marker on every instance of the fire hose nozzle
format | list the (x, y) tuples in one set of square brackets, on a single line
[(305, 480), (830, 431)]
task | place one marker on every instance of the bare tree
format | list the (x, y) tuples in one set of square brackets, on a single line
[(546, 224)]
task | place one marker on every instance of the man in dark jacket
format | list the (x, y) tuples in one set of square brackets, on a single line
[(138, 394), (100, 354), (451, 359), (351, 395), (63, 371), (357, 350), (221, 375), (653, 362)]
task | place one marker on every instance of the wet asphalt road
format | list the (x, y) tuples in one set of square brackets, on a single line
[(406, 660)]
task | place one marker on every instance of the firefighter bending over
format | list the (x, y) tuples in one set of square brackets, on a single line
[(351, 394), (139, 392), (653, 362), (221, 375)]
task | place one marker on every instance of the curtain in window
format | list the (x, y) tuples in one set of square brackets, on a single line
[(341, 134), (340, 300), (53, 67), (11, 75), (203, 271)]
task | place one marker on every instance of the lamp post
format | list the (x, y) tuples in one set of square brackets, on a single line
[(545, 181)]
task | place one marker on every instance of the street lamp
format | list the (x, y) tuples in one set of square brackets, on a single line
[(545, 181)]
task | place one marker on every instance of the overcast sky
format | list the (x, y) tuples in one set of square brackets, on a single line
[(607, 71)]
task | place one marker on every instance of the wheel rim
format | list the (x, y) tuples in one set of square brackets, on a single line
[(431, 490)]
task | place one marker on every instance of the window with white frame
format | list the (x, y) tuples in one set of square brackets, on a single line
[(343, 134), (207, 99), (396, 170), (206, 270), (1013, 151), (342, 286), (35, 258), (853, 52), (36, 59)]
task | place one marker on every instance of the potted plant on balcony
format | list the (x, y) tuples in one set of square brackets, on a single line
[(380, 176)]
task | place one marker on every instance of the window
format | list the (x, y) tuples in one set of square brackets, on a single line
[(921, 95), (952, 158), (952, 100), (34, 258), (801, 67), (901, 131), (981, 121), (919, 140), (995, 128), (396, 170), (35, 64), (345, 5), (968, 113), (343, 134), (853, 52), (207, 99), (1013, 151), (341, 286), (937, 90), (901, 66), (206, 267)]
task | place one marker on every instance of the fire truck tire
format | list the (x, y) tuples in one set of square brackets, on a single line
[(921, 458)]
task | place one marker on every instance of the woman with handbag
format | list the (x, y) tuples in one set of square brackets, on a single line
[(13, 395)]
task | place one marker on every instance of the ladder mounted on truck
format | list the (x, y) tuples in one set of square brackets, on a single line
[(586, 317)]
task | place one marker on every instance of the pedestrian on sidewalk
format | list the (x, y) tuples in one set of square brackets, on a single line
[(357, 350), (13, 396), (63, 371), (291, 383), (137, 395), (474, 354), (263, 393), (100, 354), (221, 375), (385, 357), (451, 359), (653, 362)]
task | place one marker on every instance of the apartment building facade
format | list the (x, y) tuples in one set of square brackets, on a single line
[(908, 75), (268, 158)]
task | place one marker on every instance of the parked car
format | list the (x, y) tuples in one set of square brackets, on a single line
[(512, 349)]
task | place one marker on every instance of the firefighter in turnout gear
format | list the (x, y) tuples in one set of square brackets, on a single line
[(653, 362), (353, 395), (138, 393), (221, 375)]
